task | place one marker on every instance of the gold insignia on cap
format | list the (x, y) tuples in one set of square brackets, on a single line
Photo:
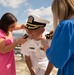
[(30, 19), (33, 26)]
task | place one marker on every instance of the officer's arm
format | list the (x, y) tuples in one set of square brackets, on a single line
[(49, 69), (29, 64)]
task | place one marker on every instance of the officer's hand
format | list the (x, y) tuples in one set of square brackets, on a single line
[(32, 73)]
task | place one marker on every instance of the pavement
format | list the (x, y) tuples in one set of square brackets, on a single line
[(21, 67)]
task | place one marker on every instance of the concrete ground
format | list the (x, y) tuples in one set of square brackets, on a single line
[(21, 67)]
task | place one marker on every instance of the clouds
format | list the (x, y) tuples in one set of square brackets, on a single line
[(12, 3), (40, 11), (44, 12), (20, 8)]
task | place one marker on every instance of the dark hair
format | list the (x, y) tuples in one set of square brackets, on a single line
[(6, 20)]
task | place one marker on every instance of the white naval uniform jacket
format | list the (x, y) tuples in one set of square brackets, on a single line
[(34, 49)]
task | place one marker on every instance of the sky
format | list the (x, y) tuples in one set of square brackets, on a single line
[(21, 9)]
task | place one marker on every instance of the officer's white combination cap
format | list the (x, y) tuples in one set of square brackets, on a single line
[(35, 22)]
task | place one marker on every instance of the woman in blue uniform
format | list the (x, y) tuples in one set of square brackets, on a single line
[(61, 51)]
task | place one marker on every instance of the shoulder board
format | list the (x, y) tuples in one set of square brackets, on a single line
[(48, 36), (25, 36)]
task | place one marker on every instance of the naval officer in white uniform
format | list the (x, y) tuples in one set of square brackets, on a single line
[(33, 50)]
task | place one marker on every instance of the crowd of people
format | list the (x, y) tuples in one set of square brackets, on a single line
[(41, 51)]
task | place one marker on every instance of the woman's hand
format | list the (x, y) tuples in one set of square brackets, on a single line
[(44, 43), (21, 40), (23, 26)]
